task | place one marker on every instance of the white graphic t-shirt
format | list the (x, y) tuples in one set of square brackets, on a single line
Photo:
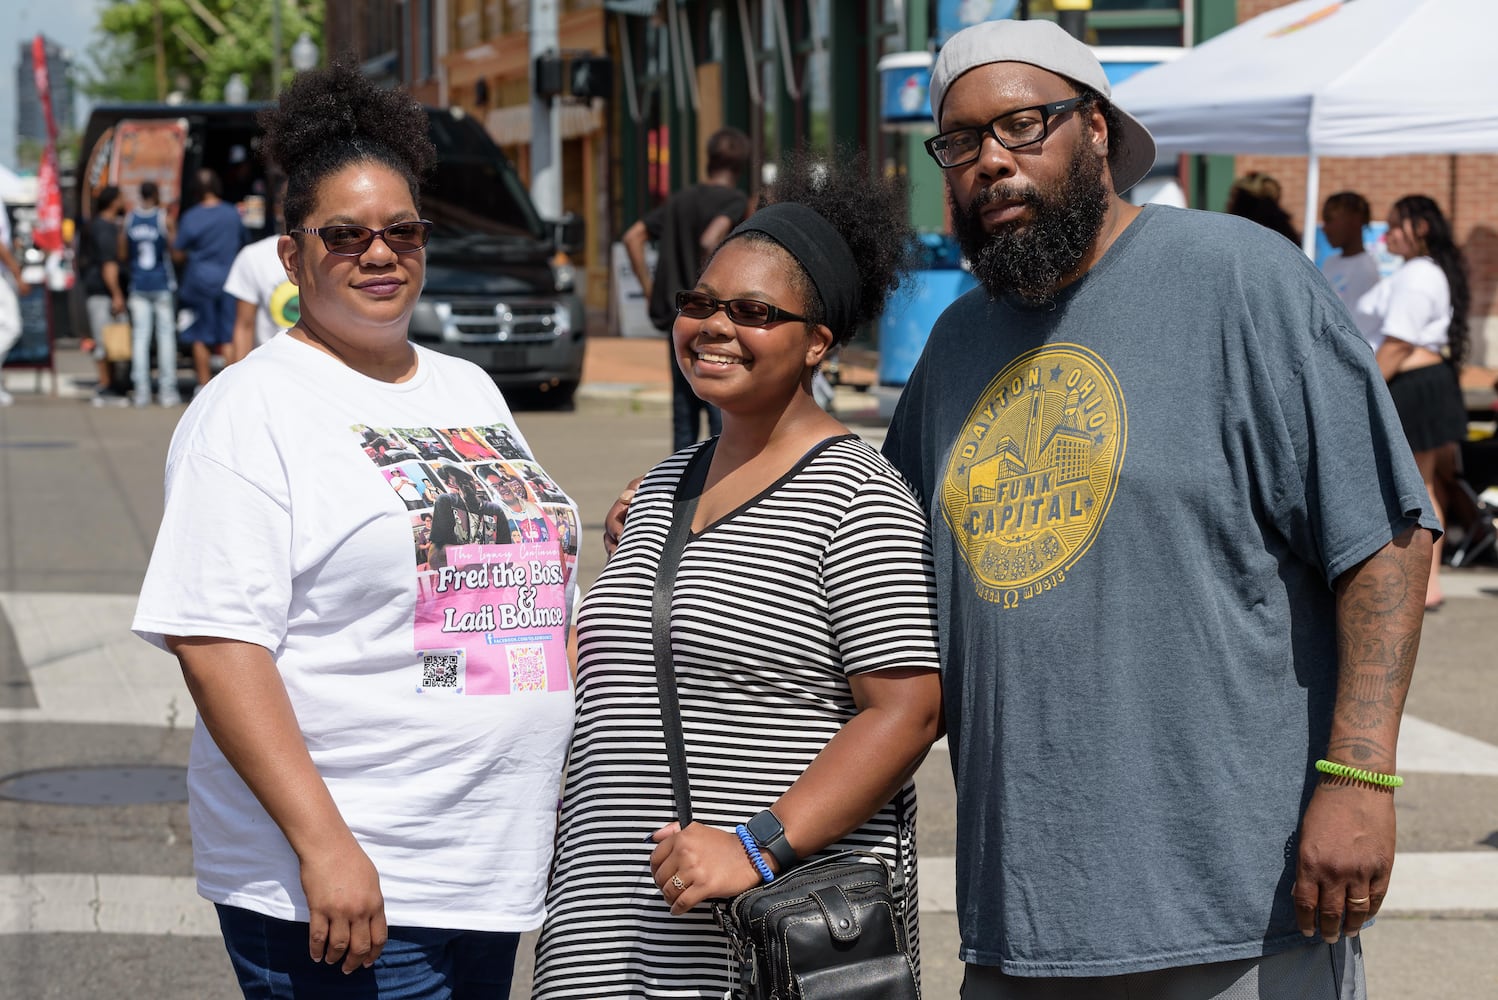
[(257, 276), (1351, 278), (409, 566)]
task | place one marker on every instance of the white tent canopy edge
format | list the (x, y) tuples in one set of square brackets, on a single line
[(1331, 78)]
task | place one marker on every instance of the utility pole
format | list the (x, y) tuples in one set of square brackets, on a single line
[(275, 48), (160, 52), (546, 139)]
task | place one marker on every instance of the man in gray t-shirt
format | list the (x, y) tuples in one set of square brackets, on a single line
[(1181, 549)]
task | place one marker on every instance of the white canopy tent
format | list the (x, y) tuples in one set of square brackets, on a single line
[(1327, 78), (15, 189)]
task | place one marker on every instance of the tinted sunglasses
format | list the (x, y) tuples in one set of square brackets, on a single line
[(351, 241), (745, 312)]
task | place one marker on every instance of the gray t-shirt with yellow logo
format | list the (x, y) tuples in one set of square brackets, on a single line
[(1140, 497)]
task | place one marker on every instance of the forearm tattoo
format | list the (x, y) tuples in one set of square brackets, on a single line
[(1379, 611)]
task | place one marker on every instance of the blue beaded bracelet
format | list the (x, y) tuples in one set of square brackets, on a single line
[(752, 849)]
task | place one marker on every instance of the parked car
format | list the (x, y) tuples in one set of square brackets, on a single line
[(495, 293)]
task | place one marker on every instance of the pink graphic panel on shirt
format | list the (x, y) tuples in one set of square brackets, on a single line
[(495, 542), (502, 610)]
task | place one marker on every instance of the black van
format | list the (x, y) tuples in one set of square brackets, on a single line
[(494, 294)]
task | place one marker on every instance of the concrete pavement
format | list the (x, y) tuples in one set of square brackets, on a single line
[(98, 900)]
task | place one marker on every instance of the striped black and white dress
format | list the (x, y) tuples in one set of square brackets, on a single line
[(825, 574)]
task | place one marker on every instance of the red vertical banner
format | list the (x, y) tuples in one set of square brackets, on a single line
[(47, 234)]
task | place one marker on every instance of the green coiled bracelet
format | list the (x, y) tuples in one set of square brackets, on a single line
[(1358, 774)]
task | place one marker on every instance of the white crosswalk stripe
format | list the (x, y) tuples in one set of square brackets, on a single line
[(86, 667)]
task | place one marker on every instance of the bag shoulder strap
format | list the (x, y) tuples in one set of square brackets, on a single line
[(683, 507)]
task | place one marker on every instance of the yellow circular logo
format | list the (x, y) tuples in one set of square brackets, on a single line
[(285, 305), (1030, 479)]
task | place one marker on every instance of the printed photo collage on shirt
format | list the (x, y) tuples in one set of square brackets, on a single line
[(470, 486)]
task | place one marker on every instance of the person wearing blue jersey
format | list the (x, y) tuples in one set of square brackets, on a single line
[(145, 242)]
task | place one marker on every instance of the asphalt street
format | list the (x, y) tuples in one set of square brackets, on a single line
[(96, 900)]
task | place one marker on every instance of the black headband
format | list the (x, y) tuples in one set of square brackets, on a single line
[(822, 253)]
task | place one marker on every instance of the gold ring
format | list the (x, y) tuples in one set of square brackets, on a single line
[(680, 885), (1359, 901)]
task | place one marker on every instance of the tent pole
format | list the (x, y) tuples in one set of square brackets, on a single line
[(1313, 208)]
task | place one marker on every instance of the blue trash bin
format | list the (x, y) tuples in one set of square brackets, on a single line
[(913, 310)]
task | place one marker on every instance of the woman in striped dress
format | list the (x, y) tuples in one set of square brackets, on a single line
[(803, 620)]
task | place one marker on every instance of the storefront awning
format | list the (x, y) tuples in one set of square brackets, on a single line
[(512, 126)]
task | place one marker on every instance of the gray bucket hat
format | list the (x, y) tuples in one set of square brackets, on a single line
[(1043, 44)]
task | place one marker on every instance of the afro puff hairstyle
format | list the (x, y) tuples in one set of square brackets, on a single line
[(866, 209), (331, 117)]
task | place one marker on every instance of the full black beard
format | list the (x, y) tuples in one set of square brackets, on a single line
[(1032, 259)]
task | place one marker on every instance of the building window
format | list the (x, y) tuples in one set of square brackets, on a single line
[(1128, 22)]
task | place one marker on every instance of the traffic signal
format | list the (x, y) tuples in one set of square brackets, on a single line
[(590, 76), (548, 75)]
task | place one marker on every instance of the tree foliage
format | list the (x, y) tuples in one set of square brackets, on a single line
[(201, 44)]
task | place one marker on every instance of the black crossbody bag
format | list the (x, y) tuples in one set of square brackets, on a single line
[(830, 929)]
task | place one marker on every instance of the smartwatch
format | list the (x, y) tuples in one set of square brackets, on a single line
[(769, 835)]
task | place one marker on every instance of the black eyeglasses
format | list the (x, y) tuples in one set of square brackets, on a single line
[(351, 241), (746, 312), (1012, 129)]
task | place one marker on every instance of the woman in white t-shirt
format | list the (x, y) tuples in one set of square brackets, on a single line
[(1420, 314), (374, 772)]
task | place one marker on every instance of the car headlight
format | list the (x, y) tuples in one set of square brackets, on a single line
[(563, 276)]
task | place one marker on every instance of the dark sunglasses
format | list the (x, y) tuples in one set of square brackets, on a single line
[(351, 241), (745, 312)]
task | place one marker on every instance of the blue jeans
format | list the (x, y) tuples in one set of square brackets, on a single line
[(418, 963), (144, 308)]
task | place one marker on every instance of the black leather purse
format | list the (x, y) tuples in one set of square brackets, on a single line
[(830, 929)]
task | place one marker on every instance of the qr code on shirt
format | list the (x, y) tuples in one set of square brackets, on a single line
[(442, 669), (527, 666)]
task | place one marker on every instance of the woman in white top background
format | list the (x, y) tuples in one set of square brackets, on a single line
[(1421, 313)]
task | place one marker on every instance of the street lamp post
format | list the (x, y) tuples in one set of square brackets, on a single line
[(304, 53), (275, 49)]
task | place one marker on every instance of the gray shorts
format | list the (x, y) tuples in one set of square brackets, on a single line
[(99, 313), (1315, 972)]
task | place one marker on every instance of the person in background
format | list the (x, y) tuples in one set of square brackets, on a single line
[(686, 228), (1419, 314), (208, 238), (1256, 196), (145, 241), (372, 797), (266, 300), (104, 283), (10, 306), (1352, 270), (802, 620)]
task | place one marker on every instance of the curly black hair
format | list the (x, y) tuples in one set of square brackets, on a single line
[(331, 117), (866, 209)]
